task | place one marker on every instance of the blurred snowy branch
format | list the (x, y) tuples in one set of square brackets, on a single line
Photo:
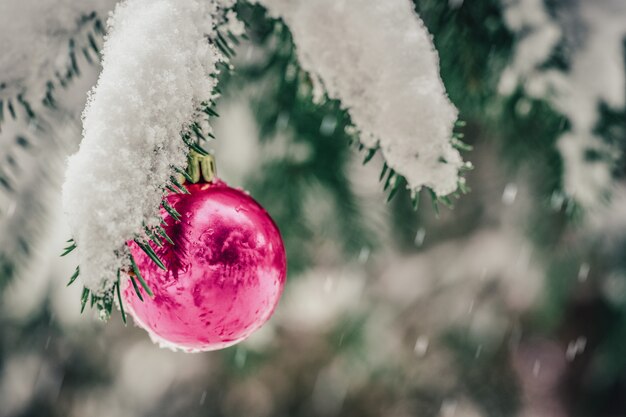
[(573, 58), (378, 59)]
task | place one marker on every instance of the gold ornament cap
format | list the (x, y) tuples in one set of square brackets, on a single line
[(201, 167)]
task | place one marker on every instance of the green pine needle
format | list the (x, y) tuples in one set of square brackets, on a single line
[(435, 201), (226, 46), (394, 190), (11, 109), (119, 297), (382, 174), (233, 37), (172, 212), (463, 187), (98, 27), (208, 110), (87, 55), (223, 48), (163, 233), (92, 43), (106, 305), (198, 149), (83, 299), (391, 179), (153, 237), (139, 277), (445, 200), (415, 200), (368, 157), (184, 174), (136, 287), (196, 129), (74, 276), (179, 185), (461, 146), (69, 249), (151, 254)]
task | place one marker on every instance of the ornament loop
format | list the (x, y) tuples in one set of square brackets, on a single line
[(201, 167)]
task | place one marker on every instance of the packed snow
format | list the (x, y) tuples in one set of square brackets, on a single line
[(157, 64), (596, 75), (379, 60)]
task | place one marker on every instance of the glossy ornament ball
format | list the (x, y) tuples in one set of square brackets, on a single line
[(225, 271)]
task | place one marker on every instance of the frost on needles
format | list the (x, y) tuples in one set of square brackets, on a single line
[(378, 59), (157, 69)]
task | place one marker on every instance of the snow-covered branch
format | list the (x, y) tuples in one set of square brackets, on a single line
[(379, 60), (157, 68), (595, 74)]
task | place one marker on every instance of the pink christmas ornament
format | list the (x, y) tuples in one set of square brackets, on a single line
[(225, 272)]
